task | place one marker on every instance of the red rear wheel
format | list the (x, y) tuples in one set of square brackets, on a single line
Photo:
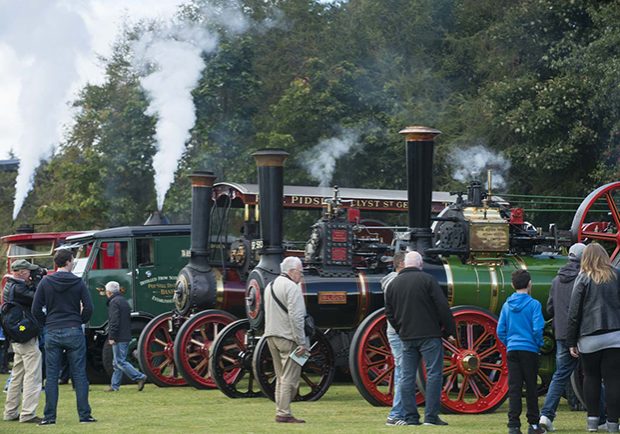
[(192, 345), (371, 361)]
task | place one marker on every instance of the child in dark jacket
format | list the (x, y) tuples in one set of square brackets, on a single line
[(520, 328)]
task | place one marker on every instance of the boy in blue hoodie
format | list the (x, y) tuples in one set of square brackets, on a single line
[(520, 328)]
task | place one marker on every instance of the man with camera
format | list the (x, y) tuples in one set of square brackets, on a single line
[(27, 373)]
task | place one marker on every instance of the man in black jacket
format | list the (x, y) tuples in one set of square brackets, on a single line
[(119, 335), (26, 373), (67, 306), (419, 312)]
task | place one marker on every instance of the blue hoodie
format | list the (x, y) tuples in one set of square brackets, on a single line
[(521, 323)]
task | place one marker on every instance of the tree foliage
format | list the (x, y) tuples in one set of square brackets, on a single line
[(536, 80)]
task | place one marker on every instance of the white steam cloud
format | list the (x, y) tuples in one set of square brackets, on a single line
[(169, 59), (45, 61), (320, 161), (472, 163)]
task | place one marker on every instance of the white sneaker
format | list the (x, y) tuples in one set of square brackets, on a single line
[(546, 423)]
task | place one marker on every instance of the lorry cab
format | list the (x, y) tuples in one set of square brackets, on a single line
[(144, 260)]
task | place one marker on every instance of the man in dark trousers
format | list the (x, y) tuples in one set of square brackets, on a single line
[(419, 312), (119, 335), (67, 306)]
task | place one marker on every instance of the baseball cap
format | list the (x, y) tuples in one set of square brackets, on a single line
[(576, 250), (22, 264)]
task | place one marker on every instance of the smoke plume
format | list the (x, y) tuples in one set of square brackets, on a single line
[(320, 161), (170, 60), (472, 163)]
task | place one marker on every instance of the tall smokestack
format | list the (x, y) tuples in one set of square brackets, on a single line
[(202, 192), (270, 165), (420, 143)]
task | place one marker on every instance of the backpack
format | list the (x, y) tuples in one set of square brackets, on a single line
[(18, 323)]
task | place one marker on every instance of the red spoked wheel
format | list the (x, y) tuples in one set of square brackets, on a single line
[(156, 351), (598, 219), (317, 373), (371, 361), (231, 361), (475, 372), (192, 345)]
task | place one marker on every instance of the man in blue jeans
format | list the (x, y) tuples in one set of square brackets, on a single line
[(67, 306), (419, 312), (119, 336), (396, 415)]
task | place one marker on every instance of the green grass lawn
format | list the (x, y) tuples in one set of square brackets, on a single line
[(187, 410)]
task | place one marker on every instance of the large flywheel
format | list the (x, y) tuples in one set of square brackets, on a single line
[(598, 219), (371, 361), (193, 343), (230, 364), (317, 373), (156, 351), (475, 373)]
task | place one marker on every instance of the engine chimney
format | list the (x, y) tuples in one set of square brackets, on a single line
[(270, 165), (202, 191), (157, 218), (196, 286), (420, 142)]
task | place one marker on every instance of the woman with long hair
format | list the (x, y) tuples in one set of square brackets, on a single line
[(594, 333)]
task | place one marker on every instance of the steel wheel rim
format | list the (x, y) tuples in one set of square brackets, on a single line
[(231, 362), (158, 352)]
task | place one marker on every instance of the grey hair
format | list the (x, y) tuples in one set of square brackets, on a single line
[(414, 259), (290, 263), (112, 286)]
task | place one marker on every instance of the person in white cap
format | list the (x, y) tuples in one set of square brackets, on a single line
[(557, 307), (119, 336)]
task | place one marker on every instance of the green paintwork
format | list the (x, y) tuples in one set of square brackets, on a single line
[(474, 283)]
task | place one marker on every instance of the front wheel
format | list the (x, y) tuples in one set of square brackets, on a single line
[(475, 370)]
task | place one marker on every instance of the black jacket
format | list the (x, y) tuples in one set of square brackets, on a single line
[(119, 319), (559, 296), (417, 308), (22, 294), (66, 300), (594, 308)]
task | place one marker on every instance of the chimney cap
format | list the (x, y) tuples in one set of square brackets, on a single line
[(202, 178), (270, 157), (419, 133)]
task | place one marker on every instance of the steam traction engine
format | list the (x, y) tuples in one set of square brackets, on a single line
[(470, 254)]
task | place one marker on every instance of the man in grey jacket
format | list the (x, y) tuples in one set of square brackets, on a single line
[(284, 328)]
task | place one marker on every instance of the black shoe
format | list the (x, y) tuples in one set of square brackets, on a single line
[(514, 430), (535, 429), (47, 422), (414, 422), (89, 419), (141, 384), (436, 422)]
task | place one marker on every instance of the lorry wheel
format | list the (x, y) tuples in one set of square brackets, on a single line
[(132, 352)]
